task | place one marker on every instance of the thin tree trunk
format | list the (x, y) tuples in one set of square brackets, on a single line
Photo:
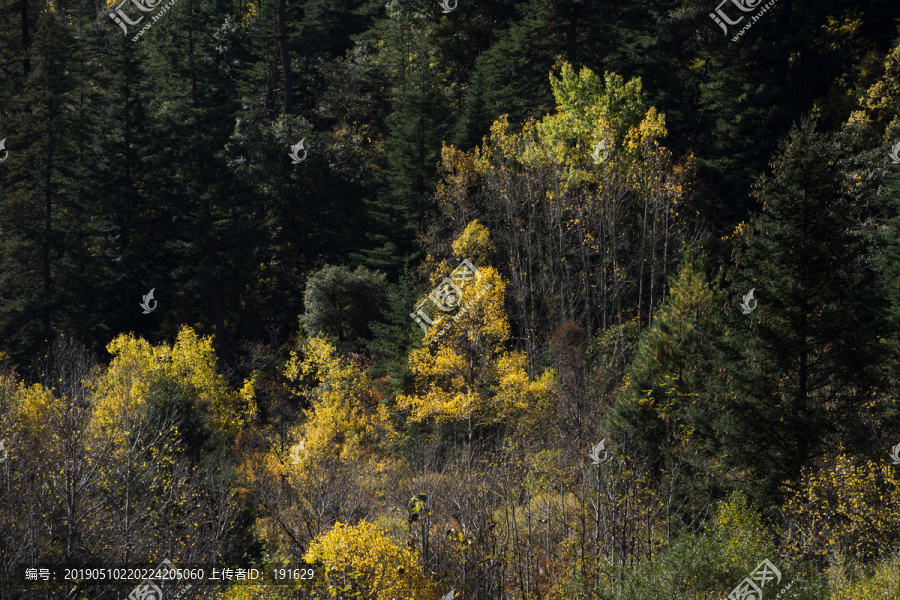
[(48, 234), (26, 38), (285, 57)]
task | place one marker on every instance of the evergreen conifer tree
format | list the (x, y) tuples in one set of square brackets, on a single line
[(417, 130), (663, 415), (797, 369)]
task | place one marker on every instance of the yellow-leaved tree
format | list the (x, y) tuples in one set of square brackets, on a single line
[(314, 475), (362, 562), (336, 422), (182, 376), (848, 505), (464, 372), (587, 206), (153, 407)]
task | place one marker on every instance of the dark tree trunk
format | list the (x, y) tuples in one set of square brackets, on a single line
[(26, 39), (285, 57)]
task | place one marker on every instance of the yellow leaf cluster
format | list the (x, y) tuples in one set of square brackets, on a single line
[(878, 102), (517, 395), (188, 367), (474, 243), (852, 505), (36, 407), (336, 422), (746, 538), (466, 374), (361, 561)]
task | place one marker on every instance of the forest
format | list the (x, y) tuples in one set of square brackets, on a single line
[(450, 299)]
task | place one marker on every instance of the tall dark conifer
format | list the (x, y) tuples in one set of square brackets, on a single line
[(663, 415), (41, 216), (796, 370), (416, 131), (476, 118)]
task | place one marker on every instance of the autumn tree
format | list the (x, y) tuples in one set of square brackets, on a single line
[(313, 477), (164, 408), (588, 240), (846, 505), (64, 462), (464, 373)]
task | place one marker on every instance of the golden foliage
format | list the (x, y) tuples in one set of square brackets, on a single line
[(464, 373), (746, 538), (189, 366), (336, 423), (852, 506), (878, 104), (474, 243), (362, 562), (36, 407)]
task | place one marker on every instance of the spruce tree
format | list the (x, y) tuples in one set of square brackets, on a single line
[(44, 224), (417, 130), (663, 416), (475, 121), (796, 370)]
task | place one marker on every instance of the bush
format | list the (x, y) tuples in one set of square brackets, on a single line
[(362, 562), (854, 582), (850, 506)]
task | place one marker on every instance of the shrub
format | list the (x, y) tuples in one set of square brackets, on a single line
[(848, 505), (853, 582), (361, 561)]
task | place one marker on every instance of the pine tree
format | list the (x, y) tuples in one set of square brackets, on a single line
[(393, 339), (799, 366), (475, 121), (417, 130), (663, 414), (46, 236)]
